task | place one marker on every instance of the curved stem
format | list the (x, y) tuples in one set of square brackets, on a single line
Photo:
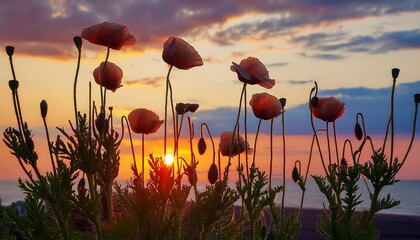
[(284, 164), (413, 133), (347, 141), (74, 89), (124, 118), (103, 95)]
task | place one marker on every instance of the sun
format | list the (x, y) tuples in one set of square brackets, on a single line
[(169, 159)]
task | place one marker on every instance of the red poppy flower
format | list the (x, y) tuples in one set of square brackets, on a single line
[(328, 109), (108, 34), (144, 121), (252, 71), (111, 78), (239, 144), (180, 54), (265, 106)]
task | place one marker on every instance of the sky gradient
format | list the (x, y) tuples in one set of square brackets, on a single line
[(348, 47)]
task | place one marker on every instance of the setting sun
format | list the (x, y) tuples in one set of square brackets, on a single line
[(169, 159)]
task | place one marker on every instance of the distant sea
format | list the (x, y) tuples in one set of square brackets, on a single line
[(407, 191)]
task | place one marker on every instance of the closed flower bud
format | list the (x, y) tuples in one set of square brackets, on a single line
[(213, 174), (417, 98), (78, 42), (44, 108), (395, 73), (295, 174), (343, 165), (192, 107), (13, 84), (101, 123), (314, 101), (202, 146), (180, 108), (358, 132), (10, 50), (283, 102)]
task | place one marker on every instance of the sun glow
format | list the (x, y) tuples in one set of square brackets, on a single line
[(169, 159)]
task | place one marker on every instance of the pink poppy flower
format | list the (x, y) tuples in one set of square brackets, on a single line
[(265, 106), (108, 34), (180, 54), (239, 144), (252, 71), (144, 121), (328, 109), (111, 78)]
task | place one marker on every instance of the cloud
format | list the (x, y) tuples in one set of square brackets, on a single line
[(382, 43), (154, 82), (372, 103), (41, 22), (298, 82), (278, 64)]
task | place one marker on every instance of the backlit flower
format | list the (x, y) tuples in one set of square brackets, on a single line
[(112, 35), (180, 54), (328, 109), (239, 145), (111, 78), (252, 71), (265, 106), (144, 121)]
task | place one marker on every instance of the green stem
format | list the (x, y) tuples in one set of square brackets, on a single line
[(74, 89), (328, 144), (335, 142), (271, 154), (166, 110), (255, 143), (413, 133), (284, 164), (49, 145)]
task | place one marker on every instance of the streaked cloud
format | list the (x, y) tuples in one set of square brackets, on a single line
[(41, 23), (154, 82), (278, 64)]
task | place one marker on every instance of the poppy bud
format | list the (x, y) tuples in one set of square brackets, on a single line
[(78, 42), (202, 146), (283, 102), (191, 107), (213, 174), (101, 123), (295, 174), (395, 73), (180, 108), (417, 98), (314, 101), (192, 175), (44, 108), (10, 50), (30, 144), (343, 165), (13, 84), (358, 132)]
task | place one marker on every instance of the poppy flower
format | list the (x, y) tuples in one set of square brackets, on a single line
[(112, 35), (252, 71), (144, 121), (239, 144), (328, 109), (180, 54), (265, 106), (111, 78)]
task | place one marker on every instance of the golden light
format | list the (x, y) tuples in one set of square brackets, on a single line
[(169, 159)]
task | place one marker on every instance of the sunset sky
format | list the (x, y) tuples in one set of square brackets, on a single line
[(348, 47)]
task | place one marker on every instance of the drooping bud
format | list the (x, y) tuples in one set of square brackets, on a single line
[(358, 132), (101, 123), (44, 108), (180, 108), (283, 102), (395, 73), (10, 50), (213, 174), (13, 84), (202, 146), (417, 98), (295, 174), (78, 42), (314, 101)]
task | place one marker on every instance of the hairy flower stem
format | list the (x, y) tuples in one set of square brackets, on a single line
[(166, 111), (390, 123), (328, 144), (142, 159), (413, 133), (94, 196), (255, 142), (74, 88), (246, 135), (335, 142), (49, 146), (124, 118), (283, 133), (103, 92), (271, 154)]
